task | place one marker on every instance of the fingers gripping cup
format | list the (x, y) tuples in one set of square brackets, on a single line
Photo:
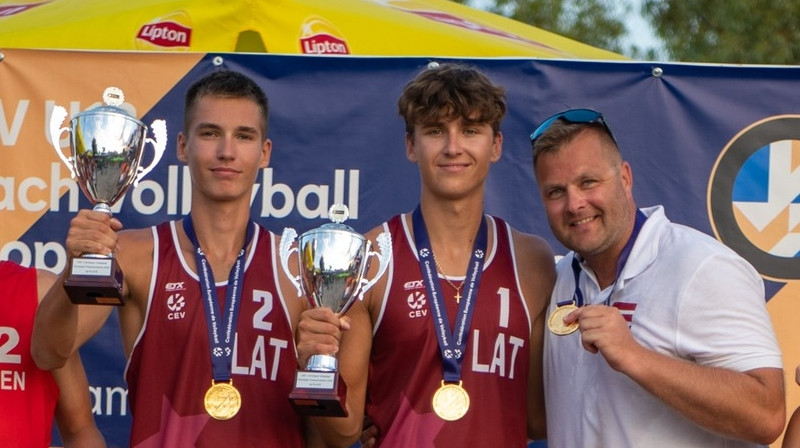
[(333, 261), (107, 145)]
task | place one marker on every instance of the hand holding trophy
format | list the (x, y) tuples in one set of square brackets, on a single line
[(333, 260), (107, 145)]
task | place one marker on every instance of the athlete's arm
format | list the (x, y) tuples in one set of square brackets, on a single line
[(536, 271), (73, 412), (74, 409), (56, 332)]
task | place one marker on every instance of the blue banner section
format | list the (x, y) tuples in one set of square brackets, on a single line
[(708, 142)]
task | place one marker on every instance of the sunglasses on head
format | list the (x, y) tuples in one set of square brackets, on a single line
[(573, 116)]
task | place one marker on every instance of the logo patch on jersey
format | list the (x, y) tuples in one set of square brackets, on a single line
[(175, 304), (413, 284), (174, 286), (416, 303), (416, 300), (754, 196)]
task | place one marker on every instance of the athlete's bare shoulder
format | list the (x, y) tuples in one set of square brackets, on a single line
[(535, 267)]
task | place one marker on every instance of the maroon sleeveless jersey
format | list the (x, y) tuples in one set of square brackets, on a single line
[(28, 395), (169, 370), (406, 365)]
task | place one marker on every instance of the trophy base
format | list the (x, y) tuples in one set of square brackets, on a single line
[(94, 281), (319, 394)]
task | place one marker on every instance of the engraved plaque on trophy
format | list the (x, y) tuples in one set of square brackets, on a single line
[(107, 144), (333, 261)]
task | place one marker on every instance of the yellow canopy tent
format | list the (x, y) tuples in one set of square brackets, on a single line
[(349, 27)]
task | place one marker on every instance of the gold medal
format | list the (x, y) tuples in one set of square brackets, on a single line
[(222, 400), (556, 320), (451, 401)]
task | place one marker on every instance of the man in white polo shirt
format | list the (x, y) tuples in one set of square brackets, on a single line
[(658, 334)]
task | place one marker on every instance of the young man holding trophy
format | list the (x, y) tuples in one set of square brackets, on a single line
[(204, 326), (451, 336)]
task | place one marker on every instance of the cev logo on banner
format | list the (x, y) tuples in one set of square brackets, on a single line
[(754, 196)]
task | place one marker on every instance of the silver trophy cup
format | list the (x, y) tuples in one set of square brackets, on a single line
[(333, 261), (107, 145)]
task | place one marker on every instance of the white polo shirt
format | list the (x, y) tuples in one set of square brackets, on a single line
[(687, 296)]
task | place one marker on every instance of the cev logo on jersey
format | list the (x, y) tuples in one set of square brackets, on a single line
[(756, 211), (416, 299), (176, 301)]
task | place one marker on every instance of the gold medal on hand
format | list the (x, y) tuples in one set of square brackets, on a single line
[(556, 320), (222, 400), (451, 401)]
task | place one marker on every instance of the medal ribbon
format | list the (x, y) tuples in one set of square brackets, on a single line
[(221, 348), (577, 297), (452, 344)]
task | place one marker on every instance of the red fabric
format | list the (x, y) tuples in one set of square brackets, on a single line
[(406, 367), (170, 368), (28, 395)]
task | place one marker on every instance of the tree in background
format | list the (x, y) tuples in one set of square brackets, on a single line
[(589, 21), (723, 31), (600, 23), (730, 31)]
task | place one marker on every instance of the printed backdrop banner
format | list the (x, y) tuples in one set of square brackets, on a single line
[(719, 146)]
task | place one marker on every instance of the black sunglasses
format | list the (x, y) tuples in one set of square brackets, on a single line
[(573, 116)]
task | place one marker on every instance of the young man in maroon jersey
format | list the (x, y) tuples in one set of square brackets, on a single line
[(199, 371), (451, 335)]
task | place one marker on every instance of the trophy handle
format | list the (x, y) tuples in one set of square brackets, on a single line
[(287, 238), (159, 144), (56, 118), (384, 255)]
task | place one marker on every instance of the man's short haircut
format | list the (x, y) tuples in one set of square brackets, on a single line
[(562, 132), (226, 84)]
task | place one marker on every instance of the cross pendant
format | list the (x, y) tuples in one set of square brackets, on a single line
[(458, 296)]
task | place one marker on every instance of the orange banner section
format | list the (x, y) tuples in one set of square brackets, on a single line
[(784, 308), (356, 27), (33, 82)]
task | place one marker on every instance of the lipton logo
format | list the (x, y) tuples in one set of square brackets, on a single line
[(318, 36), (166, 34)]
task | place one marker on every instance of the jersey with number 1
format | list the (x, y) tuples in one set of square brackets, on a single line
[(406, 365), (169, 370)]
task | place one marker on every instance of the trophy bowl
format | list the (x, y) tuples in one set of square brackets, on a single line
[(107, 144), (333, 261), (107, 150)]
